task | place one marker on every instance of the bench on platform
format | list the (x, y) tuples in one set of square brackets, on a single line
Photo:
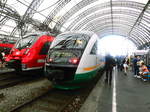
[(147, 77)]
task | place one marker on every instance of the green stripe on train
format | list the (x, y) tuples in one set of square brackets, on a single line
[(78, 81), (86, 76)]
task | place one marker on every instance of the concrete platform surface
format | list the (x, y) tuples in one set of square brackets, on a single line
[(126, 94)]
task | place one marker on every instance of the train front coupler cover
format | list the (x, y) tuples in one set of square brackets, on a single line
[(57, 75), (13, 60)]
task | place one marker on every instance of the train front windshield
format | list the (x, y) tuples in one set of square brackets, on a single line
[(68, 48), (26, 41), (66, 41)]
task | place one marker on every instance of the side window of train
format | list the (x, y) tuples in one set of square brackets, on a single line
[(94, 48), (45, 48)]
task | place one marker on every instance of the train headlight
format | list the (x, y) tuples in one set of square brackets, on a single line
[(17, 53), (49, 60), (74, 60), (27, 50)]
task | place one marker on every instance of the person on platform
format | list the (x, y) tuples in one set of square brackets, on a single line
[(125, 65), (109, 64), (144, 72), (136, 65)]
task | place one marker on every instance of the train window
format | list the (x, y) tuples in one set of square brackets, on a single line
[(94, 49), (63, 56), (72, 41), (45, 48), (26, 41)]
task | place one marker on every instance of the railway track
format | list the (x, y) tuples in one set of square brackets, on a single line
[(56, 101), (53, 100), (10, 78)]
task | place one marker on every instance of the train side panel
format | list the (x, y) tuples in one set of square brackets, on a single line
[(37, 54), (29, 54), (88, 64), (69, 74)]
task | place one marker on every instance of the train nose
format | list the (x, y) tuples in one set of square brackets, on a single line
[(54, 75), (13, 64)]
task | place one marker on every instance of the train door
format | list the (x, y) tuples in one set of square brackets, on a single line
[(42, 53), (94, 52), (88, 60), (95, 57)]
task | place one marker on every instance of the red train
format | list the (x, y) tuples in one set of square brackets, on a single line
[(29, 53), (6, 46)]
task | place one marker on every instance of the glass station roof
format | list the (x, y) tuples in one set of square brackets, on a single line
[(128, 18)]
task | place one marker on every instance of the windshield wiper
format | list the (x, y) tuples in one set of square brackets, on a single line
[(61, 43)]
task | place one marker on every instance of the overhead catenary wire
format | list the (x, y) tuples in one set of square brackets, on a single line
[(49, 6), (26, 1), (10, 17), (138, 20), (8, 26), (5, 31), (39, 13)]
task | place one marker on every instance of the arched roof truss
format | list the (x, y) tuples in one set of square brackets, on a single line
[(135, 16)]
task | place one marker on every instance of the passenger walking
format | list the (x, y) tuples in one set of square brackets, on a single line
[(139, 61), (131, 63), (136, 66), (125, 65), (118, 63), (109, 64)]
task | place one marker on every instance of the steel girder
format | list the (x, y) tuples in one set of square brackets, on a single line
[(31, 10), (72, 11), (26, 18), (122, 28), (52, 14), (3, 21), (9, 12), (145, 46), (145, 18), (108, 31), (125, 28), (142, 28), (127, 4), (130, 13), (140, 16), (8, 36)]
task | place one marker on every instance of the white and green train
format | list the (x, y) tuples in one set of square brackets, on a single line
[(73, 59)]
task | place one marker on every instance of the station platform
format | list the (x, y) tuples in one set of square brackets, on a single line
[(125, 94)]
